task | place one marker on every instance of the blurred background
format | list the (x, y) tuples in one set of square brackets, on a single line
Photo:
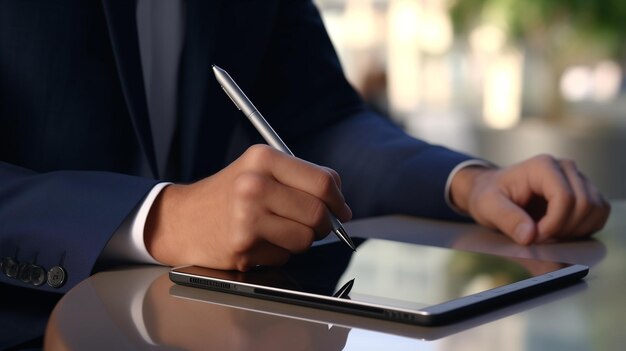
[(501, 79)]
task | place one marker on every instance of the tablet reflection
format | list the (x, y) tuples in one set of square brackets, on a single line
[(202, 326)]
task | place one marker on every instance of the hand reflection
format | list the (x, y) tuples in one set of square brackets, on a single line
[(195, 325), (588, 252)]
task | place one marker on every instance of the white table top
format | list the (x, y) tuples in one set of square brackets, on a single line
[(139, 308)]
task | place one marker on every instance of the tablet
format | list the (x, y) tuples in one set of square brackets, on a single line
[(391, 280)]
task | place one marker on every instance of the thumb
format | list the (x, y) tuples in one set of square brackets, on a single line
[(509, 218)]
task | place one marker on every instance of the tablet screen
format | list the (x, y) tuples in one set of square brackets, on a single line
[(381, 272)]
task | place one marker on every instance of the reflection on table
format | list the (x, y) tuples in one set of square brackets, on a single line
[(139, 308)]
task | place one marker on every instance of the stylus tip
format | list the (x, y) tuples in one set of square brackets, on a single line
[(343, 235)]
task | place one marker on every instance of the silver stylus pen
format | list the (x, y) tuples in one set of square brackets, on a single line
[(243, 103)]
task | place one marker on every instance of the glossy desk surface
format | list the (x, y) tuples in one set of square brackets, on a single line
[(139, 308)]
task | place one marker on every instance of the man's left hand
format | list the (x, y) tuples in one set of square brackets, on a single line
[(538, 200)]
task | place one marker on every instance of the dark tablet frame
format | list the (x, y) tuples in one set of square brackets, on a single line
[(431, 315)]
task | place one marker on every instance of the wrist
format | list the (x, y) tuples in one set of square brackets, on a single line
[(463, 183), (160, 222)]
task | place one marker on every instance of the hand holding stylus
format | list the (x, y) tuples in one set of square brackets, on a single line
[(259, 210), (267, 132)]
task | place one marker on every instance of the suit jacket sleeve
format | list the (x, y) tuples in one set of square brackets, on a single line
[(62, 218), (322, 118)]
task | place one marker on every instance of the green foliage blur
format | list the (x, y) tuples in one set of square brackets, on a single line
[(586, 28)]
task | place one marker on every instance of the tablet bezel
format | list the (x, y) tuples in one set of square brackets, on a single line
[(431, 315)]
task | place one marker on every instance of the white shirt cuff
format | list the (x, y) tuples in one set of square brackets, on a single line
[(453, 173), (127, 242)]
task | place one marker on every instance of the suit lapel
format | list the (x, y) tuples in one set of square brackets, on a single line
[(121, 20), (206, 117)]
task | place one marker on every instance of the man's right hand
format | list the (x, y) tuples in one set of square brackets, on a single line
[(259, 210)]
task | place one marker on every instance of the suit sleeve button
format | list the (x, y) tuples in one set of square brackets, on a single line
[(23, 272), (56, 277), (37, 275), (10, 267)]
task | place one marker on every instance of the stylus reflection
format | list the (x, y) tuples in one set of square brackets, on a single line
[(344, 291)]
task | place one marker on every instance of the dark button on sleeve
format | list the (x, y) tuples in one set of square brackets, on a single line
[(37, 275), (56, 277), (23, 272), (10, 267)]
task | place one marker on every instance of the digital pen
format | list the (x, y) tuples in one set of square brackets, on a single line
[(267, 132)]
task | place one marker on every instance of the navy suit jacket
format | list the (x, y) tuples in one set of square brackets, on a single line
[(74, 122)]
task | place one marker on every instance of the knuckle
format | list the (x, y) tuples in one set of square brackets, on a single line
[(325, 182), (259, 150), (566, 205), (585, 206), (258, 155), (568, 197), (334, 174), (250, 186), (544, 159), (568, 162)]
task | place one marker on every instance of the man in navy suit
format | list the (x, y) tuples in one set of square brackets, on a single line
[(117, 144)]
